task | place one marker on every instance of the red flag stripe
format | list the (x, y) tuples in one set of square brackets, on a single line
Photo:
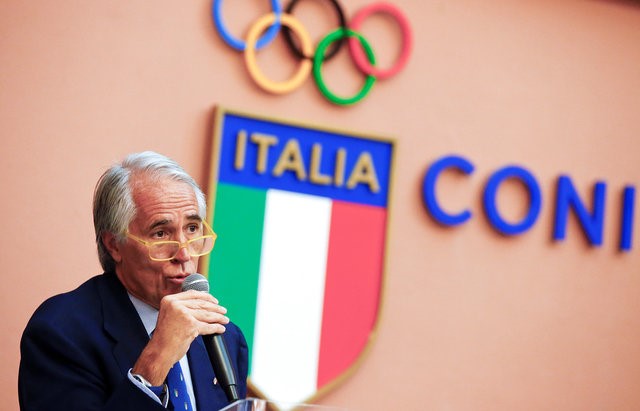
[(352, 285)]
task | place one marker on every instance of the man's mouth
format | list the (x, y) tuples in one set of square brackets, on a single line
[(178, 278)]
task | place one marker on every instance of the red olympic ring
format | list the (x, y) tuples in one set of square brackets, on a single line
[(362, 55), (358, 54)]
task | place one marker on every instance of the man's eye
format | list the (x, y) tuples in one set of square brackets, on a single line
[(159, 234), (193, 228)]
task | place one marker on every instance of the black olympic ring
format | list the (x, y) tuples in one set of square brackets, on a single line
[(335, 47)]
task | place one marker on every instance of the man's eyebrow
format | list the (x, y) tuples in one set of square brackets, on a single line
[(191, 217), (159, 223)]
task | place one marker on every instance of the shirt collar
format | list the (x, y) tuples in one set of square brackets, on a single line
[(147, 313)]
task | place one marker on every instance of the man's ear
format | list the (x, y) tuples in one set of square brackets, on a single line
[(112, 245)]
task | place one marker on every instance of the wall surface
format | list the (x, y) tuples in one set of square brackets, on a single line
[(470, 319)]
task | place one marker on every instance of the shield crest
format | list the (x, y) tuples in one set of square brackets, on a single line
[(301, 216)]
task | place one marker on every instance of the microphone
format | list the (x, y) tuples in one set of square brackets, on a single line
[(216, 347)]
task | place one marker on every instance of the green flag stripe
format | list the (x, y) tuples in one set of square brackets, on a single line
[(234, 267)]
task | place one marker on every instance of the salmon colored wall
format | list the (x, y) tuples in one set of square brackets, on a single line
[(471, 319)]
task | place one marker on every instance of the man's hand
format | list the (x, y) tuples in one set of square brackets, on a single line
[(182, 317)]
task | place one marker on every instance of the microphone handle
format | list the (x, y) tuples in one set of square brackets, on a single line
[(219, 356)]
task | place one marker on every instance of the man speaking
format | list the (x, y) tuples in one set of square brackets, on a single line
[(130, 338)]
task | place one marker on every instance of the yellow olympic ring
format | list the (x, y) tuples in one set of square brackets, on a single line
[(250, 56)]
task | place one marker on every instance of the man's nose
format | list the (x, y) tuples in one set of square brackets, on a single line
[(183, 253)]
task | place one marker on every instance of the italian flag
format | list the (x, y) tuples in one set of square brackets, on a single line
[(301, 275)]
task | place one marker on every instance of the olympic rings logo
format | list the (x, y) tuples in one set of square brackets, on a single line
[(312, 60)]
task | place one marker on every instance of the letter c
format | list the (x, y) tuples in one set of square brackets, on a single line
[(429, 189)]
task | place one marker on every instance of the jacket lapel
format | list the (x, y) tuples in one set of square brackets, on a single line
[(121, 322)]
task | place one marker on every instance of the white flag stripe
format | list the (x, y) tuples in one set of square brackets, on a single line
[(290, 295)]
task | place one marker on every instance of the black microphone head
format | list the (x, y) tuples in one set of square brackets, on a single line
[(196, 282)]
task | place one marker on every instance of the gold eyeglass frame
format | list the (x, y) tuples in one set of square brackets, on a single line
[(150, 244)]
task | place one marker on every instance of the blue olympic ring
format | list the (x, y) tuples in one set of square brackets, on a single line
[(240, 45)]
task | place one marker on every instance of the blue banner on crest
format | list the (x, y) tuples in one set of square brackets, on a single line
[(273, 155)]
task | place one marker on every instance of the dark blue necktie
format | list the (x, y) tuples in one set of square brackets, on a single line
[(178, 393)]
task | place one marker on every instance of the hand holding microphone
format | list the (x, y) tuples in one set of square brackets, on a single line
[(182, 317), (216, 347)]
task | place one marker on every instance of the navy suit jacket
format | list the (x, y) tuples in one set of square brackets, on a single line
[(78, 347)]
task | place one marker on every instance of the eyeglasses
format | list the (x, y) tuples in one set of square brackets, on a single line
[(168, 250)]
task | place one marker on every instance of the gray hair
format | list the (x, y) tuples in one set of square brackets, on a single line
[(113, 205)]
